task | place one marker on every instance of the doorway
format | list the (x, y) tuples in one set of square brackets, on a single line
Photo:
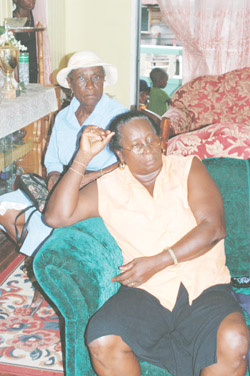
[(157, 47)]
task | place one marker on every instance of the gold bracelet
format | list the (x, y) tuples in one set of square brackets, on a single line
[(81, 164), (77, 172), (101, 172), (172, 254)]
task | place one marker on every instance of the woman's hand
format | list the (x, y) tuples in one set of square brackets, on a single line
[(138, 271), (94, 140), (52, 180)]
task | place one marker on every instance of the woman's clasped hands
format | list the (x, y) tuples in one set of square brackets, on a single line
[(94, 139)]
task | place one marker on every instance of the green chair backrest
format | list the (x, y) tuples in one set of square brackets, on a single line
[(232, 177)]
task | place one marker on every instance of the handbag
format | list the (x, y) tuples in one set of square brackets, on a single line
[(35, 187)]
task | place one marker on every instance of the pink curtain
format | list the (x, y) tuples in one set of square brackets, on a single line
[(40, 15), (215, 34)]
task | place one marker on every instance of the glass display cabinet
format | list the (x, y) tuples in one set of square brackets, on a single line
[(24, 126)]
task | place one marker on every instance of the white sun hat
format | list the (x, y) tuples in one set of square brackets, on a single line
[(87, 59)]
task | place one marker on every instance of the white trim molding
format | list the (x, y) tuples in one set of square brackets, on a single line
[(5, 10)]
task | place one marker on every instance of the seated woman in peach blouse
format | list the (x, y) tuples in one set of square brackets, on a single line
[(175, 307)]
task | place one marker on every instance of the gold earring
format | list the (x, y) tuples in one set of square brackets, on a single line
[(121, 165)]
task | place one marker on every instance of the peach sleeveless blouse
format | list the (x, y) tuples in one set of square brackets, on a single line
[(144, 225)]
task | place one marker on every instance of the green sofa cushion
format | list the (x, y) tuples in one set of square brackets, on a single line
[(232, 177)]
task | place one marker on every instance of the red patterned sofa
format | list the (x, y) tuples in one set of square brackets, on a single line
[(210, 116)]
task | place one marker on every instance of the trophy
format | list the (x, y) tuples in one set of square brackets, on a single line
[(9, 56)]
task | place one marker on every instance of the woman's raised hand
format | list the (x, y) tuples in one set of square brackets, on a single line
[(94, 139)]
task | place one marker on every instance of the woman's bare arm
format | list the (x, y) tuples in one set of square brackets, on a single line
[(68, 204), (207, 206)]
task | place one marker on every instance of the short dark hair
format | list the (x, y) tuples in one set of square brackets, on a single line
[(122, 119), (157, 74), (144, 86)]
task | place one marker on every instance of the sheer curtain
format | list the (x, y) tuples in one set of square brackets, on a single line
[(215, 34), (40, 15)]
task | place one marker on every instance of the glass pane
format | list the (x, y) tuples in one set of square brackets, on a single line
[(144, 19)]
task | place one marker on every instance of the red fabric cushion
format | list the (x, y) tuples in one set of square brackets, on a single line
[(181, 119), (213, 99), (216, 140)]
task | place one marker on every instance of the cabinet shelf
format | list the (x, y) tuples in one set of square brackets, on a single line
[(18, 151)]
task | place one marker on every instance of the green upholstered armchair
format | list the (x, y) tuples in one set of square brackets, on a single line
[(75, 265)]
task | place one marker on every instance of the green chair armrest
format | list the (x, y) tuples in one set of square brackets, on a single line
[(74, 268), (81, 259)]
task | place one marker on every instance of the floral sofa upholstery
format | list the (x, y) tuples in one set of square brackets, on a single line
[(210, 116), (216, 140)]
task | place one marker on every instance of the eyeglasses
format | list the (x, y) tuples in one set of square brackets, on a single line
[(83, 81), (139, 148)]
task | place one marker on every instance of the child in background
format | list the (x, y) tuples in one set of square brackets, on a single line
[(144, 95), (159, 99)]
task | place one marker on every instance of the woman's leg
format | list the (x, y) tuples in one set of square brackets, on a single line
[(37, 298), (127, 328), (232, 348), (111, 357), (8, 222)]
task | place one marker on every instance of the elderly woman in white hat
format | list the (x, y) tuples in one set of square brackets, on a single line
[(86, 75)]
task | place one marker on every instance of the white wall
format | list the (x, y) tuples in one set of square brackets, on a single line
[(108, 28), (5, 10), (103, 27), (57, 30)]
